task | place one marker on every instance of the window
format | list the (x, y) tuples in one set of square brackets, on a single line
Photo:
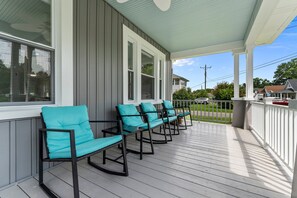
[(147, 76), (143, 69), (30, 21), (160, 80), (131, 67), (26, 55), (26, 73)]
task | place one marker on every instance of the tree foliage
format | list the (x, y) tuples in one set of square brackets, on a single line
[(183, 94), (225, 91), (260, 82), (285, 71)]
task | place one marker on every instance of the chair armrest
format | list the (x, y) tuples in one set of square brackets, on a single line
[(56, 130), (141, 114), (169, 109), (100, 121), (72, 140)]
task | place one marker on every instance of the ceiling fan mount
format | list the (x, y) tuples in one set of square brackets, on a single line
[(163, 5)]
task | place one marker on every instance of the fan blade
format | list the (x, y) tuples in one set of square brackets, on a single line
[(122, 1), (163, 5)]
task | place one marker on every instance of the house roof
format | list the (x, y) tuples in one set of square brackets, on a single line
[(274, 88), (293, 83), (179, 77), (199, 27)]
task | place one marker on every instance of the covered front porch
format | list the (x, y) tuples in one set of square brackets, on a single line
[(207, 160)]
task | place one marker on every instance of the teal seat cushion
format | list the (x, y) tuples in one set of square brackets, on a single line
[(171, 119), (130, 109), (153, 124), (86, 147), (168, 105), (144, 126), (184, 114), (68, 117), (149, 107)]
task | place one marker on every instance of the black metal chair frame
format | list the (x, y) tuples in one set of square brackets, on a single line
[(175, 122), (74, 159), (161, 116), (185, 126), (140, 130)]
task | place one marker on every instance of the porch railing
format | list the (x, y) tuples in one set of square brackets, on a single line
[(219, 111), (275, 125)]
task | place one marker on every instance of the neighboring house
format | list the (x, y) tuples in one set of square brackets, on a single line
[(272, 91), (290, 89), (178, 82)]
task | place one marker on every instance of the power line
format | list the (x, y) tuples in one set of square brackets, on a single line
[(269, 63)]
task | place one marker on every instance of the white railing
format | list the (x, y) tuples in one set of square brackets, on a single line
[(220, 111), (275, 125)]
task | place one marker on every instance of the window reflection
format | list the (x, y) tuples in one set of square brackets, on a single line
[(25, 73)]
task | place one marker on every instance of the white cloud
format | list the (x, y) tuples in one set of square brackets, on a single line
[(183, 62)]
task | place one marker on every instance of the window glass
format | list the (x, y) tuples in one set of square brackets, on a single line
[(147, 63), (25, 73), (130, 71), (30, 20), (130, 85), (147, 87), (147, 76), (130, 55)]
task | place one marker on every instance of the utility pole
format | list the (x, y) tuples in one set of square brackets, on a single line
[(205, 74)]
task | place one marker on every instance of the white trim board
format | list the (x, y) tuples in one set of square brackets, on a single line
[(141, 44)]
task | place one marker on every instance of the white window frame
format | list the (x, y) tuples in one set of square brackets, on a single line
[(62, 42), (141, 44)]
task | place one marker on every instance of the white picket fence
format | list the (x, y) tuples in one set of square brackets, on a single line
[(275, 125)]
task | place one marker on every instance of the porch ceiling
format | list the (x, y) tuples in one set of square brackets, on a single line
[(196, 27)]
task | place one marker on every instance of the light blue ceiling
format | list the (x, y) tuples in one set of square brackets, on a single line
[(190, 24)]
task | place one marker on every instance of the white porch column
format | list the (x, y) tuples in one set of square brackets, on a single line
[(249, 72), (236, 74)]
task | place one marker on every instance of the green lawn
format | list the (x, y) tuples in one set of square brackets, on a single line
[(212, 107), (226, 120)]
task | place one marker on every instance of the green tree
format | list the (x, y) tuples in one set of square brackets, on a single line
[(260, 82), (183, 94), (285, 71), (200, 94), (223, 91)]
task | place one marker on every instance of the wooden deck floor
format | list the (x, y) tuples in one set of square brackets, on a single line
[(207, 160)]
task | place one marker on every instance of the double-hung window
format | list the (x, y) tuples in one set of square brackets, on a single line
[(144, 67), (26, 53)]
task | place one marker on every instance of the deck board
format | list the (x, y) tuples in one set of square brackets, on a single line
[(207, 160)]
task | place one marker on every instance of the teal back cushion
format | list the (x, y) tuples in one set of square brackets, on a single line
[(70, 117), (130, 109), (168, 105), (147, 107)]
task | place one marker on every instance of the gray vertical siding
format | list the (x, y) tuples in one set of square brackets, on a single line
[(98, 77), (19, 149), (98, 53)]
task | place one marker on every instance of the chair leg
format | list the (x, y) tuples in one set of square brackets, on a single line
[(170, 135), (151, 141), (177, 127), (165, 135), (191, 119), (185, 122), (104, 157), (125, 163), (75, 178), (141, 144)]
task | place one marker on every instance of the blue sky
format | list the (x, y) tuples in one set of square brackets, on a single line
[(222, 64)]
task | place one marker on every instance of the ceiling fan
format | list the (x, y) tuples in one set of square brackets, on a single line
[(163, 5)]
